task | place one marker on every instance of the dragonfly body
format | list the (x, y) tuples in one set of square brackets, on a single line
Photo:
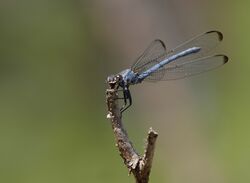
[(166, 61), (129, 77), (157, 64)]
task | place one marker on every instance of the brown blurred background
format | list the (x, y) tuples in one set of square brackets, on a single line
[(54, 60)]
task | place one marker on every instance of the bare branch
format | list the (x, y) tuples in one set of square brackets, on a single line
[(138, 165)]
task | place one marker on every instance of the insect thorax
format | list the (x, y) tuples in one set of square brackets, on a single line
[(129, 77)]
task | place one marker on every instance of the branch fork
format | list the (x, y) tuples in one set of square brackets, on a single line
[(139, 166)]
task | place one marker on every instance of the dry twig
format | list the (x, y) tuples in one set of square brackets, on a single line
[(140, 166)]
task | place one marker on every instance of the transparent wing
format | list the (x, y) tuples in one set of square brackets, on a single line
[(191, 68), (150, 56), (156, 52), (206, 41)]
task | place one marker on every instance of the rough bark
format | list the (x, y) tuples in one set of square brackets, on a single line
[(140, 166)]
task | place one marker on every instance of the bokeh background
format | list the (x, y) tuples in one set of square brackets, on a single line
[(54, 60)]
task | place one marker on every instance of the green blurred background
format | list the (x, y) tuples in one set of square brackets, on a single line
[(54, 60)]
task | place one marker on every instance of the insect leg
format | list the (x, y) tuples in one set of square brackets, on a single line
[(127, 95)]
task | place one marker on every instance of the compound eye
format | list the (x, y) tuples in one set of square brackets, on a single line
[(110, 78)]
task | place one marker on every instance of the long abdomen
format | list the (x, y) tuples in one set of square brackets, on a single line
[(172, 58)]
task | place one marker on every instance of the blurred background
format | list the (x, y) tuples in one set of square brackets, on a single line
[(54, 59)]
